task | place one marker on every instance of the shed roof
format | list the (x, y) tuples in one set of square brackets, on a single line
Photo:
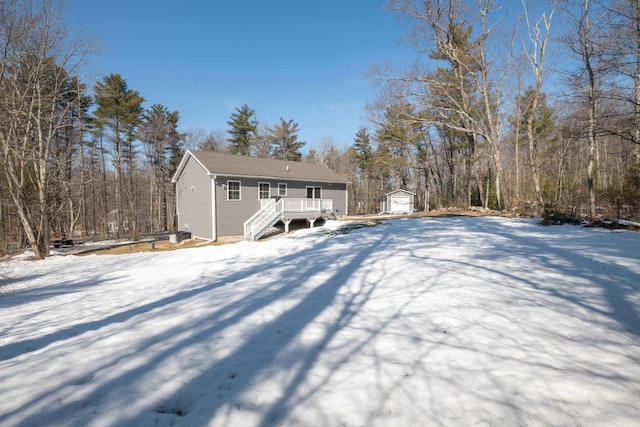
[(216, 163), (400, 191)]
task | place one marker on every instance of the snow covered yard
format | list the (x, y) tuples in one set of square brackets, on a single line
[(446, 321)]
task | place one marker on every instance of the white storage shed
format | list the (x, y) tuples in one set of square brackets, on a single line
[(398, 202)]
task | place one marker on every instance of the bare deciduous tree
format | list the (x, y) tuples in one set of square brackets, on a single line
[(538, 38), (586, 42), (466, 95), (39, 56)]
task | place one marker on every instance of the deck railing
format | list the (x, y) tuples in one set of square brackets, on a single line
[(308, 205), (273, 211)]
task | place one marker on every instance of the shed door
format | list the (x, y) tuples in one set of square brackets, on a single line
[(401, 204)]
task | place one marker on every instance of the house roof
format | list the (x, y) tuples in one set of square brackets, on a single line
[(216, 163)]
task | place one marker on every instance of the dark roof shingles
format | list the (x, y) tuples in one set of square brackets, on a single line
[(231, 164)]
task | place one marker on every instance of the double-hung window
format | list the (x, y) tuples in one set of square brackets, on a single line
[(282, 190), (314, 192), (233, 190), (264, 190)]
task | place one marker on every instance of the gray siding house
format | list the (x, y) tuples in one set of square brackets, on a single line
[(219, 194)]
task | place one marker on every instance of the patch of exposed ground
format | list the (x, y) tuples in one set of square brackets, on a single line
[(147, 246), (557, 218)]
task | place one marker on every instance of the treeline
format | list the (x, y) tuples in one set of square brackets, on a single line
[(75, 161), (80, 162), (481, 119), (512, 109), (98, 164), (248, 138), (525, 108)]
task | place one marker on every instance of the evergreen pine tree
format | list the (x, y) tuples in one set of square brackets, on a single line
[(244, 127), (395, 137), (363, 149), (119, 110), (163, 144), (285, 141), (364, 157)]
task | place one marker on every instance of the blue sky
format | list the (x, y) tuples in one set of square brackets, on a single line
[(304, 60)]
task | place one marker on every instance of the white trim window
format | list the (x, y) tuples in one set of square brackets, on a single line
[(233, 190), (264, 190), (314, 192), (282, 190)]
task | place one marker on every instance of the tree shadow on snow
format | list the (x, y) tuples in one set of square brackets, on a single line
[(277, 333), (619, 284), (266, 353)]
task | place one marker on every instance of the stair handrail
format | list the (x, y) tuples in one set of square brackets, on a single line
[(265, 207), (263, 219)]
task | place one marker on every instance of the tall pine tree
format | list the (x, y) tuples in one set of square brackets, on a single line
[(284, 140), (118, 112), (160, 136), (364, 151), (395, 137), (244, 128)]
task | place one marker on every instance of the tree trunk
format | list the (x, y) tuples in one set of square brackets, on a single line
[(591, 106), (636, 107), (118, 186), (533, 152), (592, 146)]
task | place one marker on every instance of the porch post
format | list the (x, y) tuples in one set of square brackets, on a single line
[(286, 221)]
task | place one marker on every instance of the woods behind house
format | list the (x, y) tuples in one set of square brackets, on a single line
[(513, 107)]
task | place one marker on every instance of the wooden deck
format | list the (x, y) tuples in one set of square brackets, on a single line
[(286, 210)]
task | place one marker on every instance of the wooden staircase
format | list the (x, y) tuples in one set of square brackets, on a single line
[(264, 219)]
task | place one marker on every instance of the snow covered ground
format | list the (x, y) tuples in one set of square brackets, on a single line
[(446, 321)]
